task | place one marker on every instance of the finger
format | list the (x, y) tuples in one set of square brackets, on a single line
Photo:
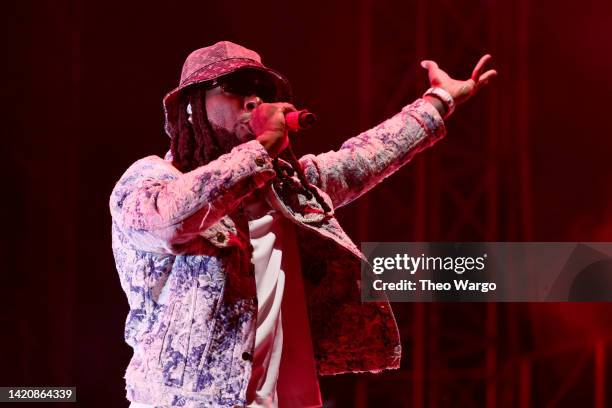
[(485, 78), (286, 107), (480, 85), (488, 75), (481, 63), (433, 71), (428, 64)]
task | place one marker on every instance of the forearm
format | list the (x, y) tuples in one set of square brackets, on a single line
[(153, 197), (365, 160)]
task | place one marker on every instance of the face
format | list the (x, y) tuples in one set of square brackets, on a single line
[(228, 113), (229, 105)]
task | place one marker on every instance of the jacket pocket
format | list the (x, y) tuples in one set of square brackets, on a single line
[(188, 336), (174, 346), (206, 318), (190, 319)]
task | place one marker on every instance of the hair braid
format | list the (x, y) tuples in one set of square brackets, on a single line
[(174, 146), (208, 147), (182, 147), (194, 144)]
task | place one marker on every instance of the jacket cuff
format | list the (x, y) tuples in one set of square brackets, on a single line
[(263, 167), (429, 118)]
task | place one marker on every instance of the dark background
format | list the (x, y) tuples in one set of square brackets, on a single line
[(82, 90)]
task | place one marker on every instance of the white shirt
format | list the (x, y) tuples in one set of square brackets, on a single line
[(282, 340)]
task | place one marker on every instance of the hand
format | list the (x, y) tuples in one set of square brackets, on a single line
[(268, 125), (461, 91)]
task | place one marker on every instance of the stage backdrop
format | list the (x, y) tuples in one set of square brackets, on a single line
[(528, 159)]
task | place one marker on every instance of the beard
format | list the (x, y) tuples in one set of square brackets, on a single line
[(239, 134)]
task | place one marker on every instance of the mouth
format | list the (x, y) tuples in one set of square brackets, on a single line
[(243, 127)]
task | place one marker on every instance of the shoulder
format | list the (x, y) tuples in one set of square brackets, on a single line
[(150, 167), (146, 172)]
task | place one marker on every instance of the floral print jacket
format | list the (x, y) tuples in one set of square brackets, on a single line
[(182, 250)]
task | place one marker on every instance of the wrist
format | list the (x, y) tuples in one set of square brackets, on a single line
[(437, 103), (273, 142), (444, 98)]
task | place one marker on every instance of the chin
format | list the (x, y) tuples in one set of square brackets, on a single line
[(243, 132), (228, 139)]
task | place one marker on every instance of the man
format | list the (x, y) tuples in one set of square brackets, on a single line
[(241, 283)]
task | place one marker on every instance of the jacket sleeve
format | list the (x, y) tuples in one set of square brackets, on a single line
[(367, 159), (157, 207)]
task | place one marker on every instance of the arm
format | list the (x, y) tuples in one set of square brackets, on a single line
[(365, 160), (158, 207)]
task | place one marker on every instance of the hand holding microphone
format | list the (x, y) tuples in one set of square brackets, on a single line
[(300, 120), (271, 121)]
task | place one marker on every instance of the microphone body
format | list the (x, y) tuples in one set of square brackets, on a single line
[(300, 120)]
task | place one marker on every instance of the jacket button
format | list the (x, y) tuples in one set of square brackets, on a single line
[(247, 356), (260, 161), (220, 237)]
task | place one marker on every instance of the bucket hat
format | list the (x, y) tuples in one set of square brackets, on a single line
[(209, 63)]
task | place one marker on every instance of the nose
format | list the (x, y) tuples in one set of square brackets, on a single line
[(251, 102)]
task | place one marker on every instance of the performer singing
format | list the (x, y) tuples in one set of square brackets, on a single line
[(242, 285)]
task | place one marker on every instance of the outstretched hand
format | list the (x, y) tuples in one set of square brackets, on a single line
[(461, 91)]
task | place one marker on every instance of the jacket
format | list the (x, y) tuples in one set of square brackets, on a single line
[(182, 251)]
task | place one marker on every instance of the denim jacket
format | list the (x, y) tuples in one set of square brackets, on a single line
[(182, 250)]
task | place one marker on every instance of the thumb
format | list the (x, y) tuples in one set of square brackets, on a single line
[(427, 64)]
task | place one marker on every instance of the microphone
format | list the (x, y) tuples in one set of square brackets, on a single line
[(300, 120)]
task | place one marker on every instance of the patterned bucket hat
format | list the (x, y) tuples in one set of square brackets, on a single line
[(206, 64)]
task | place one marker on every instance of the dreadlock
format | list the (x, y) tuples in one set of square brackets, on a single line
[(195, 145)]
